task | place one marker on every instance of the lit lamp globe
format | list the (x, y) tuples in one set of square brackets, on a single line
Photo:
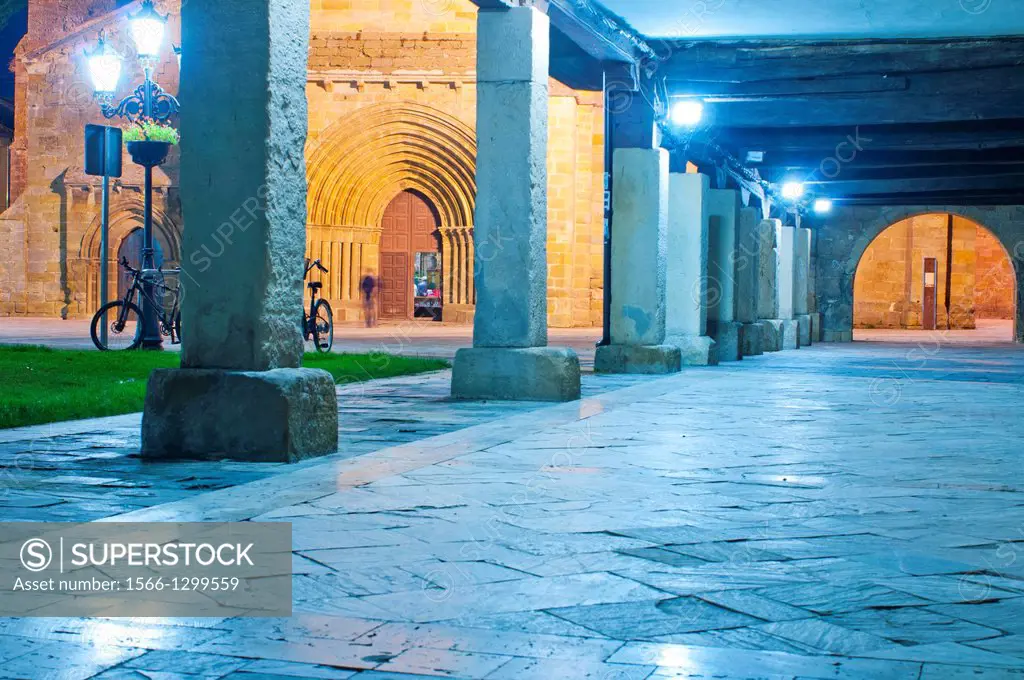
[(104, 68), (792, 191), (148, 30), (687, 113)]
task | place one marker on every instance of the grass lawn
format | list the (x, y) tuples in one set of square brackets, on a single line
[(42, 385)]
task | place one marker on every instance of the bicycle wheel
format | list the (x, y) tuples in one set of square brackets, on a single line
[(123, 325), (323, 326)]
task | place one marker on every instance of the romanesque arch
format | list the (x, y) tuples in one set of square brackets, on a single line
[(126, 215), (355, 169), (843, 239), (364, 160)]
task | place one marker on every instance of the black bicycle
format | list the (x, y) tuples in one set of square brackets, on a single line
[(318, 325), (122, 319)]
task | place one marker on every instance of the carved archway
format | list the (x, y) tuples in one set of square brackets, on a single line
[(367, 158), (126, 215), (361, 162)]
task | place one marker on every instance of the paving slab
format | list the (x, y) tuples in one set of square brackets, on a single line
[(839, 512)]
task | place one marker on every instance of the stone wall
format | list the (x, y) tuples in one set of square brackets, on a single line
[(392, 105), (889, 285), (994, 292), (844, 237), (49, 245)]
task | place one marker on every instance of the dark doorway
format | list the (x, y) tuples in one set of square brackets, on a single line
[(131, 248), (409, 236)]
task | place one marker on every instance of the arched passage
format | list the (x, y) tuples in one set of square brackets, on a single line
[(934, 272), (126, 221), (357, 168), (845, 236)]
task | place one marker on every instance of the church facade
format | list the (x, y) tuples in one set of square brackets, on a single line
[(390, 156)]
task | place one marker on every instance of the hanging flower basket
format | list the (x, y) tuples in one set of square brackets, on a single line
[(148, 142), (148, 154)]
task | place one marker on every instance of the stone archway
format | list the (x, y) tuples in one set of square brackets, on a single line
[(973, 279), (842, 240), (126, 217), (360, 164)]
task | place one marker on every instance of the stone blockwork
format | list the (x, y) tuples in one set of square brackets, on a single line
[(49, 237), (846, 235), (391, 88)]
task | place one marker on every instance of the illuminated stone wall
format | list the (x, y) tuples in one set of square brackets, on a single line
[(392, 105)]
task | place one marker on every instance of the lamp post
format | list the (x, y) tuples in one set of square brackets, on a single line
[(149, 101)]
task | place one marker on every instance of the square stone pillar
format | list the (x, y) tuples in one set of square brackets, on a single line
[(748, 260), (240, 392), (510, 358), (812, 292), (640, 201), (768, 289), (801, 285), (686, 315), (787, 286), (723, 222)]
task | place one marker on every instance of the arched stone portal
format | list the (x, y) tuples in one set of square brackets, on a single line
[(355, 170), (842, 239), (973, 279), (126, 218)]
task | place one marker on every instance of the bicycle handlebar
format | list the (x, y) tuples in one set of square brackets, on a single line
[(316, 263)]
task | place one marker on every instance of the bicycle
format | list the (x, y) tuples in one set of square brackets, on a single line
[(125, 331), (319, 323)]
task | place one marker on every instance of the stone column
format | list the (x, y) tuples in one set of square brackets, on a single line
[(686, 310), (640, 207), (723, 221), (768, 289), (240, 392), (510, 358), (812, 292), (801, 309), (748, 259), (787, 283)]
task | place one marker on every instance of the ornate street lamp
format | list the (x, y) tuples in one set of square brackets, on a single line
[(149, 102)]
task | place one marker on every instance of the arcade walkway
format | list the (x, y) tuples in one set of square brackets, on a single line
[(841, 511)]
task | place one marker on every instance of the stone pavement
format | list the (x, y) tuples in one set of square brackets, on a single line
[(843, 511)]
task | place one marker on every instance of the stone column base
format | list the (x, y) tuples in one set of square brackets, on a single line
[(815, 327), (771, 339), (804, 329), (752, 338), (516, 374), (641, 359), (790, 334), (695, 350), (836, 336), (728, 337), (283, 416)]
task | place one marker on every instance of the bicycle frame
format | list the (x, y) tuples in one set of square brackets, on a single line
[(166, 320), (310, 317)]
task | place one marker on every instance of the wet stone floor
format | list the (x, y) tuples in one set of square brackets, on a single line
[(91, 470), (835, 512)]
